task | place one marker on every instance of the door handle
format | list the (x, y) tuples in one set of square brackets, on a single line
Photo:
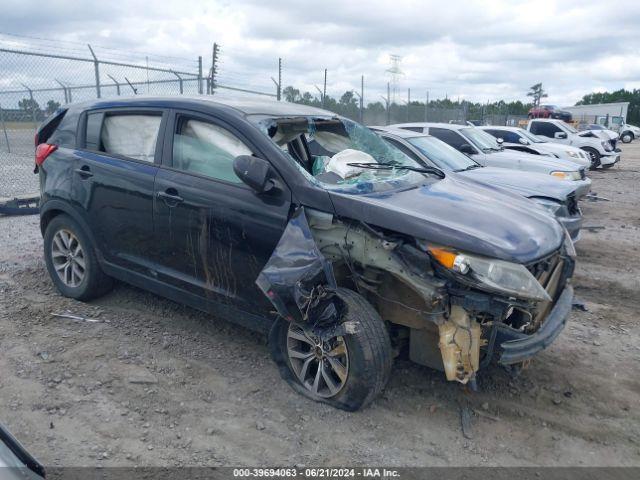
[(84, 171), (170, 197)]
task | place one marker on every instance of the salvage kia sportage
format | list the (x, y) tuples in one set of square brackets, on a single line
[(306, 226)]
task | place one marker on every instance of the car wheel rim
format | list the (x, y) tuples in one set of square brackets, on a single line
[(322, 367), (68, 258)]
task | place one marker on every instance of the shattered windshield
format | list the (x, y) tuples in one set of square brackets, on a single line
[(340, 154)]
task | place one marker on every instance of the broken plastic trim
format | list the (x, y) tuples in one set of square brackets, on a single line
[(299, 280)]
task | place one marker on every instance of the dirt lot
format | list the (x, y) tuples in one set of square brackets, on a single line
[(155, 383)]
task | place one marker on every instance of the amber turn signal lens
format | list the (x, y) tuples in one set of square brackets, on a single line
[(445, 257)]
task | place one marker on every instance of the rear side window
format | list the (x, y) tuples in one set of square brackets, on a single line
[(545, 129), (448, 136), (206, 149), (125, 135)]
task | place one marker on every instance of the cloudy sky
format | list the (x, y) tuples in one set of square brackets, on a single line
[(476, 50)]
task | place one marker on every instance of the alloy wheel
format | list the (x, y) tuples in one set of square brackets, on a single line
[(322, 367), (68, 258)]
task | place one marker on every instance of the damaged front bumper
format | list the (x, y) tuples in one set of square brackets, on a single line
[(516, 347)]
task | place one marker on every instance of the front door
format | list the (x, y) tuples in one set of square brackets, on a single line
[(214, 234)]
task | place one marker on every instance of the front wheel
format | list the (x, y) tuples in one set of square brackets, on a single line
[(594, 155), (346, 371), (626, 137)]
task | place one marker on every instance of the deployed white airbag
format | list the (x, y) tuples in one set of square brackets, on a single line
[(339, 162)]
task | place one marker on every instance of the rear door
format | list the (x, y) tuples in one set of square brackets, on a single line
[(113, 181), (214, 234)]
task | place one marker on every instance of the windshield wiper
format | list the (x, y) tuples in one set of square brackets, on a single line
[(470, 167), (397, 166)]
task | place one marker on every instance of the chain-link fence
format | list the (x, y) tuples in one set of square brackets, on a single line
[(34, 82), (37, 78)]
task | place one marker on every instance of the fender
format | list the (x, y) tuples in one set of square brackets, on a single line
[(63, 206)]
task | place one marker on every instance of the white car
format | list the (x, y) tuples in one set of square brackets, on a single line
[(484, 149), (515, 138), (600, 149), (629, 132)]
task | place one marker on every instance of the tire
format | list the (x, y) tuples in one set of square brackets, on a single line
[(595, 157), (626, 137), (368, 358), (92, 282)]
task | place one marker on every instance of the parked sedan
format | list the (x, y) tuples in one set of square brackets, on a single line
[(521, 140), (559, 198), (485, 150)]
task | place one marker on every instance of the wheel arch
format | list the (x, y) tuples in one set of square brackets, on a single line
[(55, 208)]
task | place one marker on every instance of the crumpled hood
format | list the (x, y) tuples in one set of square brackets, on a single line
[(459, 213), (528, 184), (550, 163)]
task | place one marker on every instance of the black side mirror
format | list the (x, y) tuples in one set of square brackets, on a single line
[(467, 149), (254, 172)]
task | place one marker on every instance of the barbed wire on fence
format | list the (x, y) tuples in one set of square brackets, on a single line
[(38, 75)]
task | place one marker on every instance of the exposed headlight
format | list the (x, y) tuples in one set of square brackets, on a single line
[(607, 146), (572, 154), (497, 275), (575, 175)]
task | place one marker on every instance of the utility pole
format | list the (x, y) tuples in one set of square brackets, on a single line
[(395, 72), (361, 98), (426, 108), (324, 90), (199, 75), (408, 103), (214, 67)]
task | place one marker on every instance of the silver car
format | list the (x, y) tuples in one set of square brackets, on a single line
[(484, 149)]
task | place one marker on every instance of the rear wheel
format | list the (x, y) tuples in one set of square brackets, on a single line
[(346, 371), (626, 137), (594, 155), (71, 260)]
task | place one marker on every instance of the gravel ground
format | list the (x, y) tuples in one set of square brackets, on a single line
[(157, 384)]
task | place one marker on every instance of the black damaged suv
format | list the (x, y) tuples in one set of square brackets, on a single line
[(306, 226)]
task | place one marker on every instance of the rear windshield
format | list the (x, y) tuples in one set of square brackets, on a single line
[(324, 149)]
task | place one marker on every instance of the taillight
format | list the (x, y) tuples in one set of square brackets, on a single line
[(43, 151)]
